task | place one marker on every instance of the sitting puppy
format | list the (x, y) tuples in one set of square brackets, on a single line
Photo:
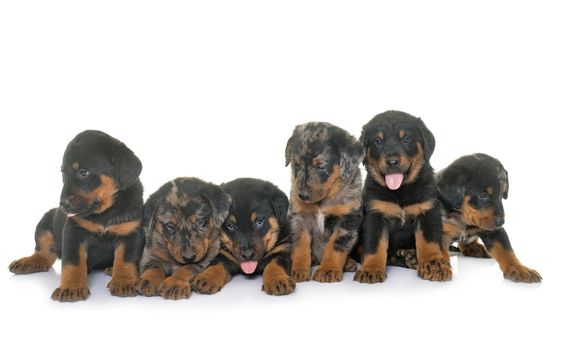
[(98, 223), (255, 239), (400, 198), (471, 190), (325, 200), (182, 224)]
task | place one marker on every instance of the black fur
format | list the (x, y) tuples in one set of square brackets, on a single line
[(102, 189)]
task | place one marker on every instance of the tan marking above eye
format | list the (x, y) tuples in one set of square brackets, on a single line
[(75, 165), (401, 133), (381, 135), (253, 216), (232, 219), (489, 190)]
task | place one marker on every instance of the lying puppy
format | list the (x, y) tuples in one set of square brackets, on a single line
[(471, 190), (400, 198), (182, 223), (98, 223), (255, 239), (325, 200)]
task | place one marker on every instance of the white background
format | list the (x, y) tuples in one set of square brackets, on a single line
[(214, 88)]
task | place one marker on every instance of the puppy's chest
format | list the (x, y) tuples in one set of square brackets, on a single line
[(398, 214), (323, 223)]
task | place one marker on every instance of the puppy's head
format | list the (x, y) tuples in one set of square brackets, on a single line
[(397, 145), (184, 216), (95, 168), (321, 156), (257, 216), (475, 186)]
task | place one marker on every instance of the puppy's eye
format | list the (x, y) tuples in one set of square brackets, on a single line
[(259, 222), (201, 222), (321, 169), (170, 228), (83, 173), (406, 139), (230, 226), (484, 196), (378, 141)]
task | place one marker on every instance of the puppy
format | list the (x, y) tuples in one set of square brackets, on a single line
[(471, 190), (255, 239), (98, 223), (325, 200), (400, 198), (182, 223)]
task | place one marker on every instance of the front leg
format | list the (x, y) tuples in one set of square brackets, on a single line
[(335, 254), (74, 275), (276, 278), (177, 285), (374, 243), (124, 274), (433, 265), (498, 245), (301, 257)]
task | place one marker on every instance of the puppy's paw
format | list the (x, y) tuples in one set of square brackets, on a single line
[(71, 293), (405, 258), (350, 265), (174, 288), (520, 273), (30, 264), (370, 276), (474, 249), (435, 270), (122, 287), (211, 280), (279, 284), (301, 274), (147, 287), (328, 275)]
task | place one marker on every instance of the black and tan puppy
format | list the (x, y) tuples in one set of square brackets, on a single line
[(400, 198), (255, 239), (98, 223), (471, 190), (182, 224), (325, 200)]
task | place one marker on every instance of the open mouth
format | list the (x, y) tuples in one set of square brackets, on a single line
[(394, 181), (249, 267), (72, 212)]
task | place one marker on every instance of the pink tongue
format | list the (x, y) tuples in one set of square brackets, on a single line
[(249, 266), (393, 181)]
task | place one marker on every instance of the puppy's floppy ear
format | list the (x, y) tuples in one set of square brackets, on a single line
[(363, 142), (150, 212), (279, 201), (219, 202), (429, 142), (127, 166), (503, 179), (451, 189), (350, 158), (288, 150)]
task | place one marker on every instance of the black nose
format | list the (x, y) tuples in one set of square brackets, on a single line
[(393, 162), (303, 196), (247, 254), (499, 221), (65, 204)]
